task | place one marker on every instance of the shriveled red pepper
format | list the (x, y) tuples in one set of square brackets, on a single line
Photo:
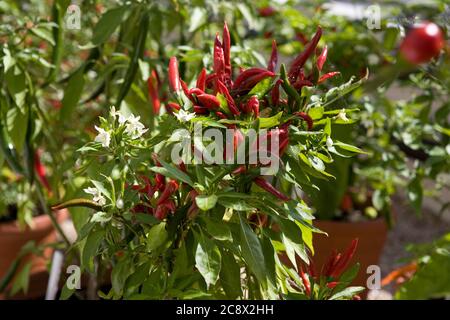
[(261, 182)]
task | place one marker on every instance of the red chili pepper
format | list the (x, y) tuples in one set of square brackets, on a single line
[(171, 106), (208, 101), (170, 188), (160, 181), (152, 84), (252, 105), (272, 65), (201, 80), (174, 77), (221, 115), (346, 257), (182, 166), (275, 95), (300, 83), (305, 281), (322, 58), (200, 110), (161, 212), (307, 119), (332, 284), (266, 11), (41, 172), (219, 58), (269, 188), (224, 91), (328, 76), (226, 49), (239, 170), (328, 264), (244, 75), (301, 59)]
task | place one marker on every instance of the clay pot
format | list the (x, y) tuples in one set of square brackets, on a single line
[(12, 239), (371, 234)]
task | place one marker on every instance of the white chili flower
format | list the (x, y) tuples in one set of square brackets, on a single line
[(329, 142), (184, 116), (101, 217), (97, 195), (103, 137), (342, 115), (117, 114), (135, 128)]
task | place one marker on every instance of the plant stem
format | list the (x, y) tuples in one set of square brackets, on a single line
[(48, 212)]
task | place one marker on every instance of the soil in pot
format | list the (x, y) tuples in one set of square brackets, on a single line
[(12, 239)]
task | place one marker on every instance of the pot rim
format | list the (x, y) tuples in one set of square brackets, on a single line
[(41, 222)]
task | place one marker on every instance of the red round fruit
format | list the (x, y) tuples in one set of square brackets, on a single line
[(422, 43)]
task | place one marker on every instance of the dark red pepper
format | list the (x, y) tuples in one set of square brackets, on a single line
[(269, 188)]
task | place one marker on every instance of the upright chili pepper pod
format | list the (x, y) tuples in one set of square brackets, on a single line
[(226, 49), (252, 105), (272, 65), (275, 94), (346, 257), (174, 76), (201, 80), (219, 59), (170, 188), (152, 84), (322, 58), (301, 59)]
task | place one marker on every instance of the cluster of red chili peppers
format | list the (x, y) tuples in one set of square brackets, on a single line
[(331, 270), (235, 90)]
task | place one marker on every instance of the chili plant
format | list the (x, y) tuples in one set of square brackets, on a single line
[(158, 218)]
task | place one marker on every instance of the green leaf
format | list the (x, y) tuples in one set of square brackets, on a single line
[(415, 193), (348, 147), (66, 293), (72, 94), (207, 259), (230, 275), (270, 122), (252, 251), (173, 172), (261, 88), (90, 248), (316, 112), (21, 280), (146, 218), (235, 204), (157, 236), (16, 122), (218, 229), (107, 24), (347, 293), (121, 271), (16, 84), (206, 202), (43, 34)]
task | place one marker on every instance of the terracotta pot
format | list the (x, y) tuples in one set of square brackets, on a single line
[(12, 239), (371, 234)]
